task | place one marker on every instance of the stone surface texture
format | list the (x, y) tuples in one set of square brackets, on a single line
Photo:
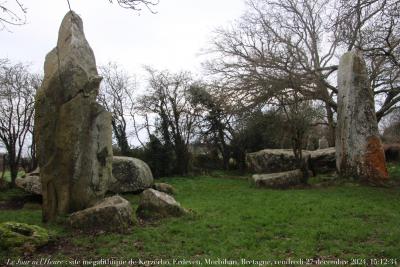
[(154, 205), (72, 131), (281, 160), (359, 151), (130, 175), (164, 187), (30, 183), (280, 180), (323, 143), (112, 214)]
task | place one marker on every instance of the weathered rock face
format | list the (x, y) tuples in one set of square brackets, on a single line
[(323, 143), (271, 160), (73, 132), (280, 180), (35, 172), (30, 183), (156, 205), (281, 160), (323, 160), (166, 188), (359, 151), (130, 175), (20, 236), (113, 214)]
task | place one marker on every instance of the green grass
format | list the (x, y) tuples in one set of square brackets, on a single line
[(394, 171), (7, 175), (11, 194), (232, 220)]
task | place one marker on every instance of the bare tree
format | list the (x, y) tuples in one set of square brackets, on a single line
[(278, 42), (168, 98), (137, 4), (36, 81), (116, 95), (12, 13), (275, 43), (372, 27), (16, 111)]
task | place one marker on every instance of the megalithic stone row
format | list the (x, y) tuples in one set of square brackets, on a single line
[(359, 151), (72, 131)]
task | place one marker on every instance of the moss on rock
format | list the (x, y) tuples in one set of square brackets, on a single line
[(15, 236)]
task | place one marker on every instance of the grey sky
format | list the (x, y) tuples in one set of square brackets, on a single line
[(170, 39)]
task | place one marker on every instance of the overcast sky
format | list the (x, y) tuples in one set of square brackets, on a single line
[(170, 39)]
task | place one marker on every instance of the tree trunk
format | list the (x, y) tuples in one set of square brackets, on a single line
[(331, 126), (224, 148), (225, 161), (122, 140), (182, 158), (13, 172), (3, 171), (34, 162)]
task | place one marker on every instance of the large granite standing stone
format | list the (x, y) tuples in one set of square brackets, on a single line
[(359, 151), (73, 132)]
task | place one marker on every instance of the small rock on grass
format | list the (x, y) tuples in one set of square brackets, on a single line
[(279, 180), (155, 205), (112, 214)]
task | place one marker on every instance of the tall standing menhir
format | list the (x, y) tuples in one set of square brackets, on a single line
[(73, 131), (359, 151)]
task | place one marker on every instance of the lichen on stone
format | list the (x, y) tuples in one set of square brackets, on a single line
[(17, 236)]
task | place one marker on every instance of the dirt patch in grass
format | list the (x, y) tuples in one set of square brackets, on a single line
[(65, 246), (61, 244)]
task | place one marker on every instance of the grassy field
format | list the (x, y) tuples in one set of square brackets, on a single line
[(7, 175), (231, 220)]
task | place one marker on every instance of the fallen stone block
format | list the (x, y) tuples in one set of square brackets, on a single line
[(155, 205), (278, 180), (282, 160), (30, 183), (113, 214)]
